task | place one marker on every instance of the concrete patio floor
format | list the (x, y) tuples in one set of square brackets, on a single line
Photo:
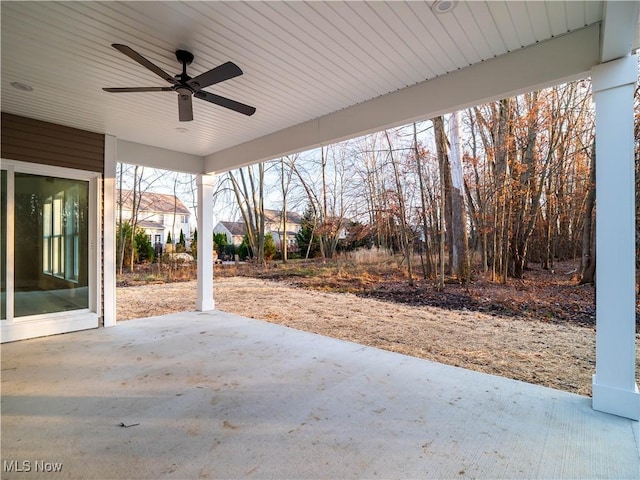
[(215, 395)]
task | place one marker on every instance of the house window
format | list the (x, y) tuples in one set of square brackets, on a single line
[(52, 237), (158, 239), (61, 235), (161, 218)]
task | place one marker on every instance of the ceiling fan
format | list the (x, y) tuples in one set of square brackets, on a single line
[(184, 85)]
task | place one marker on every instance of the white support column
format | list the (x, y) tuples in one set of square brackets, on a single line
[(614, 387), (205, 185), (109, 232)]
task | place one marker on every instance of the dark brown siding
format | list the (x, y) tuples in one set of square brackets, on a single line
[(34, 141)]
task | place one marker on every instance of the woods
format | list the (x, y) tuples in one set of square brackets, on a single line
[(485, 191), (495, 187)]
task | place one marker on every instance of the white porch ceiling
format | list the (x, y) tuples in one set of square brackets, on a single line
[(302, 61)]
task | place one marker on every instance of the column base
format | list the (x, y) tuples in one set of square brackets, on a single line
[(205, 306), (624, 403)]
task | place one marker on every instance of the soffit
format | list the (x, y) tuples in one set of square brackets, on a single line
[(301, 60)]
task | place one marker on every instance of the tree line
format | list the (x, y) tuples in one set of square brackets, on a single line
[(497, 187), (494, 187)]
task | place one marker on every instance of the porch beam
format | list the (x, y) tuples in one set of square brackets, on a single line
[(204, 301), (156, 157), (614, 387), (618, 29)]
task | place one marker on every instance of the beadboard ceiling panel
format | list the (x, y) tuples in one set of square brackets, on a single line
[(301, 60)]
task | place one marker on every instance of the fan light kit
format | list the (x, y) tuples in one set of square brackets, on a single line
[(185, 86)]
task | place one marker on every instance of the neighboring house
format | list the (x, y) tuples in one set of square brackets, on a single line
[(158, 214), (235, 231), (273, 225)]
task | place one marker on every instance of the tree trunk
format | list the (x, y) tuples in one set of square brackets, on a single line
[(502, 147), (404, 233), (120, 229), (283, 237), (460, 264), (285, 182), (249, 193), (445, 178), (426, 264), (588, 258), (134, 219), (441, 148)]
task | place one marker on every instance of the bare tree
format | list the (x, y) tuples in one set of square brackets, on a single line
[(134, 181), (322, 175), (405, 233), (460, 259), (286, 174), (445, 189), (418, 155), (248, 188), (588, 257)]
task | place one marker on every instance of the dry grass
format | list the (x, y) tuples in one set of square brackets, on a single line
[(555, 355)]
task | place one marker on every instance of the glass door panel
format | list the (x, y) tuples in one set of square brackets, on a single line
[(51, 245), (3, 245)]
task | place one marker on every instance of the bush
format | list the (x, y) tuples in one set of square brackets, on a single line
[(219, 242), (269, 247), (307, 235), (244, 251), (144, 249), (230, 251)]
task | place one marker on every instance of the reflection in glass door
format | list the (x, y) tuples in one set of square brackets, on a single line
[(44, 245), (51, 245)]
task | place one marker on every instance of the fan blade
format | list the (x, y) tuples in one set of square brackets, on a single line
[(129, 52), (226, 102), (215, 75), (138, 89), (185, 107)]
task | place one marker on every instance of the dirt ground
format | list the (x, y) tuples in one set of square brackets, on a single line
[(560, 355)]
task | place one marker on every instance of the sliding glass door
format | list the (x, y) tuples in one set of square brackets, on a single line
[(3, 244), (46, 239)]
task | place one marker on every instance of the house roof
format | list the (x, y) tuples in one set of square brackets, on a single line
[(275, 216), (235, 228), (150, 225), (317, 72), (154, 202)]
